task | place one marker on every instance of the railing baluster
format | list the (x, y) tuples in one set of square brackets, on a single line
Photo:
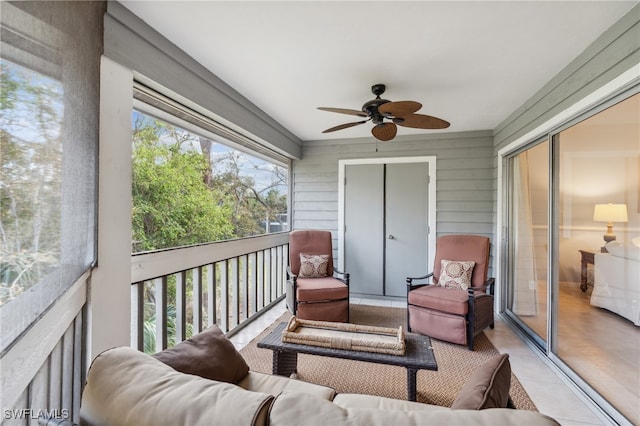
[(279, 271), (273, 285), (181, 306), (224, 296), (160, 285), (211, 295), (253, 264), (197, 300), (260, 279), (285, 264), (244, 260), (235, 299)]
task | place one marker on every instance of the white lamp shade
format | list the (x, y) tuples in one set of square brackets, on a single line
[(610, 213)]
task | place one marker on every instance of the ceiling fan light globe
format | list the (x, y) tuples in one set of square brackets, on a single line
[(384, 132)]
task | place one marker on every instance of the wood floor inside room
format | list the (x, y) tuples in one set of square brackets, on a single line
[(602, 347)]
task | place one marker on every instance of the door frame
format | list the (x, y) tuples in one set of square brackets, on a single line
[(431, 200)]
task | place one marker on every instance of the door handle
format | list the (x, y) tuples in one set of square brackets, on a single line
[(391, 237)]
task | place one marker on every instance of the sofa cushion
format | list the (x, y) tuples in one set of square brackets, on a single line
[(356, 400), (293, 409), (274, 385), (313, 265), (456, 274), (127, 387), (208, 354), (487, 387)]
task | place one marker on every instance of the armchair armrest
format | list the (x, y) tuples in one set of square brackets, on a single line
[(412, 286), (344, 278), (489, 284), (293, 277)]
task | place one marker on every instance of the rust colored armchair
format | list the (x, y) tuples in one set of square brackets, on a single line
[(458, 302), (315, 289)]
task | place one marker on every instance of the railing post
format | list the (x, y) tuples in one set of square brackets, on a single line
[(137, 316)]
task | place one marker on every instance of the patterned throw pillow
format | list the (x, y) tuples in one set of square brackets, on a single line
[(313, 265), (455, 274)]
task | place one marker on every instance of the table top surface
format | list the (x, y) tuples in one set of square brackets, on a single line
[(418, 354)]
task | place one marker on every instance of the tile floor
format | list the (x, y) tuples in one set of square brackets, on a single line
[(547, 390)]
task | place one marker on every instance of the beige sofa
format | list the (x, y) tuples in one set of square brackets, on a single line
[(127, 387)]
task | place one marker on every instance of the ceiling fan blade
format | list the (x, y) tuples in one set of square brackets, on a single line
[(344, 111), (400, 109), (344, 126), (384, 131), (421, 121)]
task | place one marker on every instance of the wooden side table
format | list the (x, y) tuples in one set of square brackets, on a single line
[(586, 257)]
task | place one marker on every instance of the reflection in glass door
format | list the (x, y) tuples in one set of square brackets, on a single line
[(597, 312), (528, 234)]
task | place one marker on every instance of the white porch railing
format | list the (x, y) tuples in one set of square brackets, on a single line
[(178, 292)]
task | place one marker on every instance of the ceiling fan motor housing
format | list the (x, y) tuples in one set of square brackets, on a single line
[(371, 107)]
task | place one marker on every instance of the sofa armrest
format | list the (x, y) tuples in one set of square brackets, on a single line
[(125, 386)]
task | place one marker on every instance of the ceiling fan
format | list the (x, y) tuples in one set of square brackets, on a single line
[(401, 113)]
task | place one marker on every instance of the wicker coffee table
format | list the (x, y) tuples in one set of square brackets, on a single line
[(418, 356)]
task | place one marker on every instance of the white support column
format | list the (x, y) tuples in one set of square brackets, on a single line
[(109, 312)]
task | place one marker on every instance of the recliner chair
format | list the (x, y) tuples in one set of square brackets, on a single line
[(448, 313), (315, 289)]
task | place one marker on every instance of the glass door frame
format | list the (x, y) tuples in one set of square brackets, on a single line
[(508, 215)]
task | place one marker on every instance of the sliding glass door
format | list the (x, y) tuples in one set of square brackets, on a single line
[(572, 250), (528, 246)]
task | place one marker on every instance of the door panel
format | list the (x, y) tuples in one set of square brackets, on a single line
[(363, 237), (406, 225)]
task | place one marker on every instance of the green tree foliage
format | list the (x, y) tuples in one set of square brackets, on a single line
[(252, 207), (172, 206)]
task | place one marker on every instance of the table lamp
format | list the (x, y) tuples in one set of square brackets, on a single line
[(610, 213)]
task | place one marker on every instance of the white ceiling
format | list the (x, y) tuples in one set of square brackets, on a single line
[(471, 63)]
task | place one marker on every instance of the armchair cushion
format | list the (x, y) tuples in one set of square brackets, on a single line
[(208, 354), (309, 241), (487, 387), (442, 299), (313, 265), (456, 274), (319, 289)]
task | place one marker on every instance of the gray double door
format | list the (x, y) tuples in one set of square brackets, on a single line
[(386, 227)]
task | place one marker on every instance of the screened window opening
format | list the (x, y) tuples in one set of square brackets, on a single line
[(49, 97), (192, 189)]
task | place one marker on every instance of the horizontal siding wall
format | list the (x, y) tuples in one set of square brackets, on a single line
[(465, 182)]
